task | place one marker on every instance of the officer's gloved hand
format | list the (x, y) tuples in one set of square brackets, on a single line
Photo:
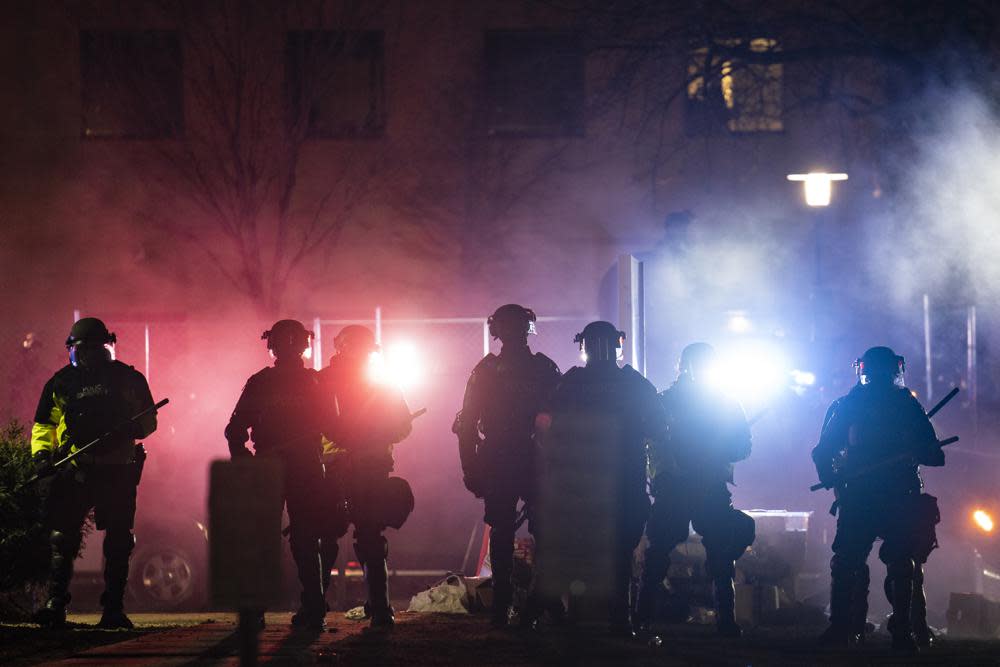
[(472, 483), (933, 456), (471, 486), (239, 452), (827, 477), (129, 429), (42, 463)]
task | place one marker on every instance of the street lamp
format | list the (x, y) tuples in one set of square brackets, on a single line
[(817, 188), (816, 185)]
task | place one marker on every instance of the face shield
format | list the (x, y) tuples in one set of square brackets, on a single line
[(871, 372), (87, 355), (601, 349)]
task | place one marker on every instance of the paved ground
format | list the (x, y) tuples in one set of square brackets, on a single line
[(432, 639)]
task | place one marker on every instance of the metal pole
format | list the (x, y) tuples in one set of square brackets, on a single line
[(317, 344), (971, 372), (486, 338), (146, 327), (76, 314), (378, 325), (630, 311), (928, 366)]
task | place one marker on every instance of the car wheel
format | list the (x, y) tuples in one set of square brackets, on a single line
[(163, 577)]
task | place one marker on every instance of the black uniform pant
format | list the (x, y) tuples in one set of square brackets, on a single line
[(365, 483), (905, 523), (726, 533), (109, 490), (312, 535), (509, 480)]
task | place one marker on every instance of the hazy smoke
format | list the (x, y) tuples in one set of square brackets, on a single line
[(944, 234)]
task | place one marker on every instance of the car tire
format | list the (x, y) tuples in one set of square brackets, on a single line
[(165, 578)]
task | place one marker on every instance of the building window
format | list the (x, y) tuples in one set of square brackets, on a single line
[(131, 84), (746, 97), (336, 83), (534, 83)]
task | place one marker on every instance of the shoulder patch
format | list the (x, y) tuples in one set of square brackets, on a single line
[(489, 362), (546, 362)]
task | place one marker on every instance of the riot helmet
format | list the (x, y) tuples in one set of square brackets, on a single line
[(600, 341), (880, 364), (90, 343), (696, 361), (287, 339), (512, 323), (355, 341)]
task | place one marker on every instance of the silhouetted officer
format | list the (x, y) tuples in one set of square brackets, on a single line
[(620, 411), (496, 442), (287, 415), (373, 416), (873, 440), (84, 400), (690, 471)]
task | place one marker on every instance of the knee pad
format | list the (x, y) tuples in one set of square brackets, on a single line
[(744, 532), (118, 543), (374, 547), (902, 568), (720, 568), (65, 544), (846, 566)]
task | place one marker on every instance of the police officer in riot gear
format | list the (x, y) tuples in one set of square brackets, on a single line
[(92, 395), (373, 417), (690, 473), (287, 416), (496, 444), (626, 406), (873, 441)]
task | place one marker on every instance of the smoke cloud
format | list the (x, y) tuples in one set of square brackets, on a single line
[(944, 234)]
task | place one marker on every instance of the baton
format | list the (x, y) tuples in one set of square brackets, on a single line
[(943, 443), (881, 464), (943, 402), (55, 466)]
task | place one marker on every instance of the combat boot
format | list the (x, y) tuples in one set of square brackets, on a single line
[(118, 545), (52, 615), (115, 619), (502, 565), (64, 546), (377, 579), (900, 584), (725, 608), (842, 631), (921, 631), (654, 572), (310, 616)]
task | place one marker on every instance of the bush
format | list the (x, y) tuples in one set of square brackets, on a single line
[(24, 547)]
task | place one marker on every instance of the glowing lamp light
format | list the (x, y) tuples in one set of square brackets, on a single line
[(803, 378), (739, 323), (397, 364), (983, 520), (817, 186), (751, 372)]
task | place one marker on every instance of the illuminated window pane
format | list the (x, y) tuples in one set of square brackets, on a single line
[(745, 97)]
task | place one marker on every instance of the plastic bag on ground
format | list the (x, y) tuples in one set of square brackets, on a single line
[(447, 597)]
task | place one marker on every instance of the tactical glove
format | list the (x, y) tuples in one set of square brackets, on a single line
[(42, 463), (239, 452), (933, 456)]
